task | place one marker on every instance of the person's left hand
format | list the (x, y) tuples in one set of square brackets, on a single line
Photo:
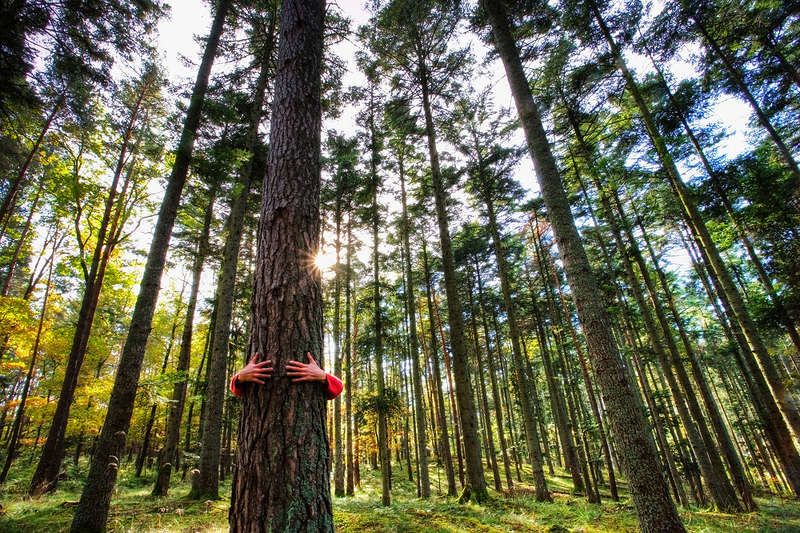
[(302, 372)]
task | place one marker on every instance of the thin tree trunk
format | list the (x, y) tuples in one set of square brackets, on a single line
[(444, 440), (419, 407), (734, 75), (11, 194), (655, 508), (205, 484), (476, 484), (723, 437), (787, 404), (178, 400), (348, 364), (16, 429), (542, 493), (496, 400)]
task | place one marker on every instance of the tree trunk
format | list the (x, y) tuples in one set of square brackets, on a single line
[(736, 77), (178, 400), (92, 511), (498, 408), (655, 508), (13, 189), (348, 363), (444, 439), (534, 449), (205, 484), (696, 223), (416, 373), (476, 484), (281, 481)]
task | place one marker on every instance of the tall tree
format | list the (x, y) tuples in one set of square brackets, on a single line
[(413, 39), (92, 510), (206, 482), (281, 481), (654, 506), (403, 151)]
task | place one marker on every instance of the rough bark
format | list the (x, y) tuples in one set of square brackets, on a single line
[(281, 481)]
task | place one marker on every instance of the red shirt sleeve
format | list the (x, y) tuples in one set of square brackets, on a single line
[(234, 389), (333, 387)]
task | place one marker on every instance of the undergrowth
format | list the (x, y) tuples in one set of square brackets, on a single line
[(135, 511)]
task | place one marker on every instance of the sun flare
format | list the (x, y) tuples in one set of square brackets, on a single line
[(324, 261)]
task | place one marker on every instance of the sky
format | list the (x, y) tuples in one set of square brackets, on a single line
[(192, 18)]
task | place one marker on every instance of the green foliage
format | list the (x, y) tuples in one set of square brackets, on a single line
[(370, 405), (134, 510)]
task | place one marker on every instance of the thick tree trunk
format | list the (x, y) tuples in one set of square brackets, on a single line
[(92, 511), (655, 508), (281, 481)]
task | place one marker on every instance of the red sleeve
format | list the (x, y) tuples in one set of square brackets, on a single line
[(234, 389), (334, 387)]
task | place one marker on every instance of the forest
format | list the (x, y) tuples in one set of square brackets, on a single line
[(558, 280)]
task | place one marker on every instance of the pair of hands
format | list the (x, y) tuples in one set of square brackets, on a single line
[(297, 371)]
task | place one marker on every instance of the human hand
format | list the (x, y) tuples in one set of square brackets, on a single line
[(256, 372), (302, 372)]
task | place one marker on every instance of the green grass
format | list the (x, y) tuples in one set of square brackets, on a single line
[(135, 511)]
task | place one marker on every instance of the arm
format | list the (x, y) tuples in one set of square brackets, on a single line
[(333, 387), (255, 372), (300, 372)]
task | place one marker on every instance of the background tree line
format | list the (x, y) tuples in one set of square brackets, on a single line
[(637, 312)]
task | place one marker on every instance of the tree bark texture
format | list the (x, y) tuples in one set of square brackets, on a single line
[(281, 481)]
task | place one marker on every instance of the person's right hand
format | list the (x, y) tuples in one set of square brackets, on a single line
[(256, 372)]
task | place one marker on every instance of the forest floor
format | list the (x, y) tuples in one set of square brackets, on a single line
[(135, 511)]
